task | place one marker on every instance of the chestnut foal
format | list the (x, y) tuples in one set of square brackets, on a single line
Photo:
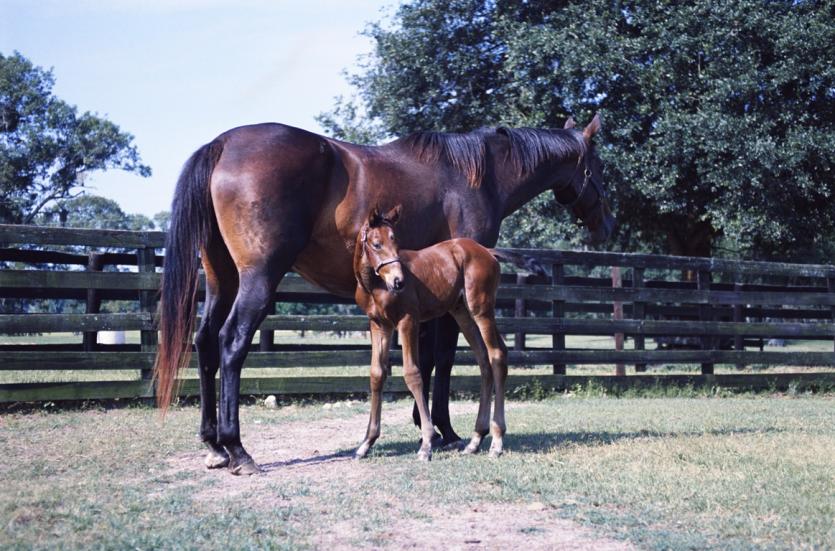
[(400, 288)]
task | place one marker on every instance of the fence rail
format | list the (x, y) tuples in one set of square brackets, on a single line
[(722, 316)]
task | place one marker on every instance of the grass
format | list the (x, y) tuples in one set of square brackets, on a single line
[(745, 472)]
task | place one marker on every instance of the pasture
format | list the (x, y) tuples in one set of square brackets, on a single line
[(581, 470)]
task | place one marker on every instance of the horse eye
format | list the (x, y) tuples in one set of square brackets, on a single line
[(377, 246)]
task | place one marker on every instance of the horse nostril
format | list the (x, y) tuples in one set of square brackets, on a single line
[(398, 283)]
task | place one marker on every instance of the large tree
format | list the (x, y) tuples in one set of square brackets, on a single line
[(719, 118), (47, 148)]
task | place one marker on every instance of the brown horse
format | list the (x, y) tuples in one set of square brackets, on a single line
[(261, 200), (399, 289)]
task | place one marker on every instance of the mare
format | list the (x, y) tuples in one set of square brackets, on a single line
[(398, 289), (261, 200)]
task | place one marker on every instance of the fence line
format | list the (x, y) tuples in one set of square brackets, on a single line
[(714, 319)]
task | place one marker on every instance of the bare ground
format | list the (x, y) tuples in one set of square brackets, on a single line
[(319, 453)]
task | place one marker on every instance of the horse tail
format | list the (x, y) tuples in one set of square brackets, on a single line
[(523, 262), (192, 220)]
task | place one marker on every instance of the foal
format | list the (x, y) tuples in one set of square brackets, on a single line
[(399, 289)]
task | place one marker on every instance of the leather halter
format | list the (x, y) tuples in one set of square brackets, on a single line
[(587, 177), (386, 262)]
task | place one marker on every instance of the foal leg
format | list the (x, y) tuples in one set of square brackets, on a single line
[(255, 294), (471, 333), (446, 341), (497, 351), (380, 342), (408, 328), (221, 285)]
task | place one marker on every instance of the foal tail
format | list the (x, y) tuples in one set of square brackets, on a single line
[(526, 263), (192, 220)]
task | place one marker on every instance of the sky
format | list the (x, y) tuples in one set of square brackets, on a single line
[(176, 73)]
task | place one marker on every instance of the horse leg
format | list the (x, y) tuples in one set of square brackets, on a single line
[(380, 342), (426, 345), (497, 351), (471, 333), (408, 329), (446, 341), (221, 285), (255, 294)]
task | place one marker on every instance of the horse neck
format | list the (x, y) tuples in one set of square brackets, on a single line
[(516, 191)]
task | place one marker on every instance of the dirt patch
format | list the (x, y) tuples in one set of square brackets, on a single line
[(320, 452)]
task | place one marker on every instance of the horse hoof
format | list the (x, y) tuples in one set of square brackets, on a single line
[(455, 445), (495, 453), (424, 455), (246, 469), (437, 441), (216, 460)]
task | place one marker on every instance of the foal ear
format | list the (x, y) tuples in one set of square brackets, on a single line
[(394, 214), (592, 127), (569, 123), (374, 217)]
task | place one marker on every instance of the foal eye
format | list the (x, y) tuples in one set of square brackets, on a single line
[(377, 246)]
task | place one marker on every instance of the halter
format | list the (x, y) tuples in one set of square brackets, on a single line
[(586, 179), (380, 264)]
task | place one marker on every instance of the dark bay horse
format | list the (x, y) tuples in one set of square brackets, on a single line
[(398, 289), (259, 201)]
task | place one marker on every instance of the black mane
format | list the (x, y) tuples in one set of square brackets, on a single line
[(465, 151)]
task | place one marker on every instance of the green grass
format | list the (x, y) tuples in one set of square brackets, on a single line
[(747, 472)]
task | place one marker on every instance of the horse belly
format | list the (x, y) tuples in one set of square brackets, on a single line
[(329, 267)]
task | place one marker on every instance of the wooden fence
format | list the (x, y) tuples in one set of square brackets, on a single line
[(702, 311)]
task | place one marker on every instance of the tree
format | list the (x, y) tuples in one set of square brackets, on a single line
[(46, 147), (718, 117), (92, 211)]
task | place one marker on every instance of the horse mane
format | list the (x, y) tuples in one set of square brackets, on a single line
[(466, 151)]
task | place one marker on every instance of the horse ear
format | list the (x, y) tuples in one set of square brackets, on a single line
[(394, 214), (569, 123), (592, 127), (374, 217)]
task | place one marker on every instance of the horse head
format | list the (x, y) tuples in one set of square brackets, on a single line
[(379, 248)]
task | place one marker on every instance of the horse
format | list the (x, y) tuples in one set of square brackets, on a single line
[(261, 200), (398, 288)]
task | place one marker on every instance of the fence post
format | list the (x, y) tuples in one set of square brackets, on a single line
[(520, 311), (705, 314), (267, 336), (617, 315), (639, 312), (94, 264), (830, 283), (146, 257), (739, 340), (558, 313)]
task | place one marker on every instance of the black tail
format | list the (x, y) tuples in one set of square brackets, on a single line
[(526, 263), (191, 223)]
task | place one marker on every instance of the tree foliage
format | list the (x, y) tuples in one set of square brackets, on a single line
[(718, 117), (47, 148)]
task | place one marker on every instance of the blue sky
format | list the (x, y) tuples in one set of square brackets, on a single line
[(177, 73)]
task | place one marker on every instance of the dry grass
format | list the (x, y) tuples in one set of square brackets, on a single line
[(742, 472)]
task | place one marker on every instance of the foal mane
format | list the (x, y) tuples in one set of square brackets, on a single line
[(466, 151)]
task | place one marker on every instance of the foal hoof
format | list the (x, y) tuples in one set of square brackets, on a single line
[(424, 455), (215, 460), (246, 469), (495, 452), (470, 449)]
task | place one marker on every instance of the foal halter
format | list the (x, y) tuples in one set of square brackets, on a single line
[(386, 262)]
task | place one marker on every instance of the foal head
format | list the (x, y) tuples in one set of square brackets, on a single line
[(379, 249)]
